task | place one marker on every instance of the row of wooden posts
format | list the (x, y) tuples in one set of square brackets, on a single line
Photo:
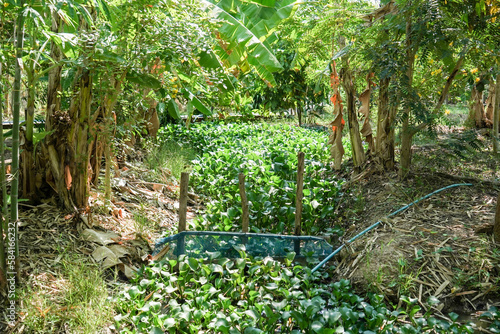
[(183, 197)]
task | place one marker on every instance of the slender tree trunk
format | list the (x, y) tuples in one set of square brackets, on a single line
[(448, 83), (496, 114), (27, 162), (407, 132), (496, 227), (358, 154), (14, 192), (299, 113), (385, 128), (3, 216), (109, 104)]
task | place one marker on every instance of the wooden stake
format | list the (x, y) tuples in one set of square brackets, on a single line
[(298, 201), (183, 201), (244, 204), (182, 211)]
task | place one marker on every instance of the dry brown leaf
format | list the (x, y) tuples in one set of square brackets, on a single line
[(67, 177), (337, 149)]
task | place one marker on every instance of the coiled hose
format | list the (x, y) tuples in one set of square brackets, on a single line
[(322, 263)]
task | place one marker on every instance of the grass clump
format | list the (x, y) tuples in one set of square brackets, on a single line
[(74, 299), (169, 155)]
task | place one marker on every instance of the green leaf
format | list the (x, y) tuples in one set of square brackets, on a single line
[(252, 314), (433, 301), (169, 323), (156, 330), (193, 263), (143, 79), (345, 50), (222, 325), (252, 330), (243, 42), (208, 59), (38, 136), (196, 102), (453, 316)]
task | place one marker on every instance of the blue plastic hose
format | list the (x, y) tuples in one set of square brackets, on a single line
[(322, 263)]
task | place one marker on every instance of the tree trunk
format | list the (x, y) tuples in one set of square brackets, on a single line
[(496, 114), (496, 227), (14, 191), (385, 128), (299, 113), (68, 147), (407, 132), (448, 83), (27, 161), (358, 154), (79, 113), (476, 111), (110, 121), (3, 225)]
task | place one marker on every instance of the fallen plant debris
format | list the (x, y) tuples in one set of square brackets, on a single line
[(117, 239), (432, 250)]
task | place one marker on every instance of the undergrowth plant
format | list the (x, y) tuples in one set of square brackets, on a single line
[(245, 295), (74, 299), (171, 155), (267, 155)]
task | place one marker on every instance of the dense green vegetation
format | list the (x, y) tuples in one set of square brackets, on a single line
[(256, 295), (260, 296), (105, 74), (267, 154)]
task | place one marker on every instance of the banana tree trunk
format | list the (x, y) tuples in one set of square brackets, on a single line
[(80, 114), (68, 147)]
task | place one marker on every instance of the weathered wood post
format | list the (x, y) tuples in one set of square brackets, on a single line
[(181, 249), (245, 217), (298, 200)]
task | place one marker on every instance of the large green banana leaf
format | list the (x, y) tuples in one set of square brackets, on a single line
[(245, 30)]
